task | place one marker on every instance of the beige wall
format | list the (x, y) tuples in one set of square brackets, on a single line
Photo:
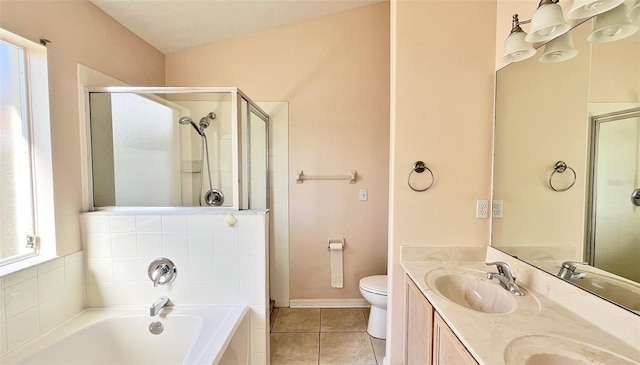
[(442, 109), (334, 72), (79, 33)]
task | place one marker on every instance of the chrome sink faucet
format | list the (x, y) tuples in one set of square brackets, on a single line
[(568, 270), (504, 277), (157, 306)]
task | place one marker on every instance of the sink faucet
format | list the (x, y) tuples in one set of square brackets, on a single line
[(504, 277), (568, 270), (158, 305)]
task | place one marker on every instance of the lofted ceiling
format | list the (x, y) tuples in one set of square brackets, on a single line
[(174, 25)]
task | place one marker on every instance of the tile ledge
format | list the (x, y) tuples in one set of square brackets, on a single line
[(25, 264)]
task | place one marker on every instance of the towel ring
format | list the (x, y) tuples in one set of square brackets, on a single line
[(561, 167), (419, 167)]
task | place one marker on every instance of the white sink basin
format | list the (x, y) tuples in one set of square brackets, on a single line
[(618, 291), (555, 350), (472, 292)]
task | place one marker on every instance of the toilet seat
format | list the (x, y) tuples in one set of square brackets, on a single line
[(376, 284)]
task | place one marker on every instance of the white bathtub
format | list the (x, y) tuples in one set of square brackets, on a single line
[(191, 335)]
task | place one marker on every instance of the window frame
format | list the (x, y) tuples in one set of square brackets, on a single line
[(37, 110)]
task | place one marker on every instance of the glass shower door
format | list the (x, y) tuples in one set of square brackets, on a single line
[(615, 234), (254, 126)]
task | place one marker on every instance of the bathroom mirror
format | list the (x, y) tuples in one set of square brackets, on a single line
[(170, 147), (546, 112)]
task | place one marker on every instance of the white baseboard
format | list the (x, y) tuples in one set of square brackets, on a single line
[(328, 303)]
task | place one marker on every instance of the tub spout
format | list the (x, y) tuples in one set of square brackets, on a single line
[(158, 305)]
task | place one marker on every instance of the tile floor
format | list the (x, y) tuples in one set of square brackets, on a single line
[(323, 336)]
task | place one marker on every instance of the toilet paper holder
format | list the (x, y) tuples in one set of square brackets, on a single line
[(335, 244)]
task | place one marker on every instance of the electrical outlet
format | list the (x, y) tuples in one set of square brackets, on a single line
[(482, 209), (497, 208), (364, 194)]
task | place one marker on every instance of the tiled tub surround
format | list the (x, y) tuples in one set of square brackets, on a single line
[(217, 263), (487, 336), (36, 299)]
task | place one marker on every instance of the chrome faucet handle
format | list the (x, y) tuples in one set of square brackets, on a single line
[(162, 271), (568, 270), (505, 278), (573, 265), (503, 268)]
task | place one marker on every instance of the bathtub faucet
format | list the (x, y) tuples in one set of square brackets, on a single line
[(158, 305)]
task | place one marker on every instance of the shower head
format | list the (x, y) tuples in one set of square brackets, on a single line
[(187, 120)]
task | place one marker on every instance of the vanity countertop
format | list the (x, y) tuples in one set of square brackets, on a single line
[(539, 323)]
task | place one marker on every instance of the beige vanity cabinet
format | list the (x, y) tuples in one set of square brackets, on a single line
[(418, 326), (428, 339), (447, 348)]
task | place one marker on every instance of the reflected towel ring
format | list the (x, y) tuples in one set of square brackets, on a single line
[(561, 167), (420, 167)]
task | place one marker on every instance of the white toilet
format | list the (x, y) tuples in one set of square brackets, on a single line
[(374, 290)]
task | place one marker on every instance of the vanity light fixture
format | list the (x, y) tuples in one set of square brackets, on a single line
[(559, 50), (588, 8), (515, 46), (612, 26), (547, 22)]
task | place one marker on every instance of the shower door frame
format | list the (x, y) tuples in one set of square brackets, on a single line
[(591, 226), (236, 98)]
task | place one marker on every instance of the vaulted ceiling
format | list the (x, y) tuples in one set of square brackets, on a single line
[(174, 25)]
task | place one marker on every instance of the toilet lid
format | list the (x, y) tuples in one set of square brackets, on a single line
[(376, 284)]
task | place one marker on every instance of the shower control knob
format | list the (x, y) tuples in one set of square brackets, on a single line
[(635, 197), (162, 271)]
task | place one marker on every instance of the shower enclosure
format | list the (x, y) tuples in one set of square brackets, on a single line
[(615, 182), (168, 147)]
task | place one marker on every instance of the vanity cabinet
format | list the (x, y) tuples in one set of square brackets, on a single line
[(418, 325), (447, 348), (428, 339)]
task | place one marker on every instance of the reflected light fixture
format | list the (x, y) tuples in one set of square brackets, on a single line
[(588, 8), (515, 47), (547, 22), (559, 50), (612, 26)]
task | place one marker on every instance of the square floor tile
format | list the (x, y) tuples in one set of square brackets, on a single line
[(297, 320), (342, 319), (294, 348), (346, 348)]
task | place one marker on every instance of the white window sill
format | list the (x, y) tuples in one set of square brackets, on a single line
[(24, 264)]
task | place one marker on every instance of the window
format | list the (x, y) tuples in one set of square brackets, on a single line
[(26, 198)]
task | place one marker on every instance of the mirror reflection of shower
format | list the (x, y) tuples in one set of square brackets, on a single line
[(213, 197)]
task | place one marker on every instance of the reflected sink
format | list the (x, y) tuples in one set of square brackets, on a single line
[(552, 350), (618, 291), (474, 293)]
